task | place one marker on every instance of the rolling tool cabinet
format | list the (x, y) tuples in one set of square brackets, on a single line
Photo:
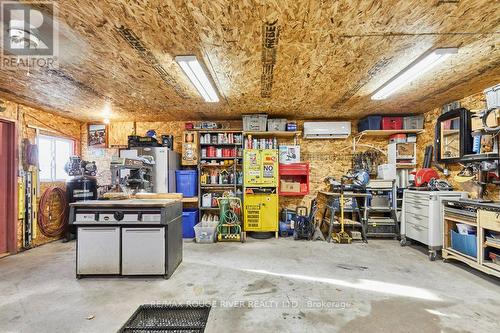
[(421, 218)]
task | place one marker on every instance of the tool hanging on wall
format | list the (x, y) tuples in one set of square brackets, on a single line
[(368, 160), (484, 117), (35, 194), (28, 215), (21, 198)]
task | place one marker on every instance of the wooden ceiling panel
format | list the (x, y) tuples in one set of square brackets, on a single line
[(330, 57)]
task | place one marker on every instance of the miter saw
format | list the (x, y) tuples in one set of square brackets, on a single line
[(352, 181)]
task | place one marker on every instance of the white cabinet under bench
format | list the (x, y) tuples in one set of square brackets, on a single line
[(421, 217)]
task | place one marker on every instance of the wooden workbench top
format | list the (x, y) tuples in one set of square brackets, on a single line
[(346, 194), (126, 203)]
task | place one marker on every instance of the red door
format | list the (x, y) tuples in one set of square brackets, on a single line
[(5, 149)]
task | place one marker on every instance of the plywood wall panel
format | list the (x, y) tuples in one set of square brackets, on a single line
[(26, 118), (119, 132), (475, 101)]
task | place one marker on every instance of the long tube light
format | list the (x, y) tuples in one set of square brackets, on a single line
[(419, 67), (194, 71)]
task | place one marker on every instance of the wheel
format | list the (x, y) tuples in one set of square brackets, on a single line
[(78, 276), (403, 242), (432, 255)]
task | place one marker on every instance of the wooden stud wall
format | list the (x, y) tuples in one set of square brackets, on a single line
[(24, 117)]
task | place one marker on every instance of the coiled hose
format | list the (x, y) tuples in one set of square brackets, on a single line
[(50, 225), (484, 116)]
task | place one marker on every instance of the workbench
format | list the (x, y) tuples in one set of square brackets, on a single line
[(333, 204), (471, 249), (127, 237)]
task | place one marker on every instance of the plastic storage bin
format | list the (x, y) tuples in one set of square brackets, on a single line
[(413, 122), (254, 122), (205, 232), (466, 244), (392, 123), (276, 125), (187, 182), (370, 123), (189, 220)]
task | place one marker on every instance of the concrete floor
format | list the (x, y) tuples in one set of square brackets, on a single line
[(271, 286)]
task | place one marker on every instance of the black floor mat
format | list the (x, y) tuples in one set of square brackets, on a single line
[(167, 318)]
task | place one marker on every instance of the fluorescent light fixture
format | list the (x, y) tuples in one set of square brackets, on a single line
[(194, 71), (417, 68), (106, 110)]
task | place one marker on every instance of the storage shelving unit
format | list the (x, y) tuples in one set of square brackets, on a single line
[(382, 220), (482, 217), (210, 163), (298, 172), (275, 134), (389, 132)]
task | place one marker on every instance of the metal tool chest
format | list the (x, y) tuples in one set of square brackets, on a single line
[(127, 237)]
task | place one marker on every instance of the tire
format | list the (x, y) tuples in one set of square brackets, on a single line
[(432, 256), (403, 242)]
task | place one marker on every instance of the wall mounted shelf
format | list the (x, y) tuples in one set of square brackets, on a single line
[(384, 133)]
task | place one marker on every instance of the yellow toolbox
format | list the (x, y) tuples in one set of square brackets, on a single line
[(261, 212)]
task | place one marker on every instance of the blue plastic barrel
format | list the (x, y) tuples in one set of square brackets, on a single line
[(189, 220), (187, 182)]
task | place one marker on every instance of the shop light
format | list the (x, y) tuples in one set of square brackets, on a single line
[(198, 77), (106, 110), (417, 68)]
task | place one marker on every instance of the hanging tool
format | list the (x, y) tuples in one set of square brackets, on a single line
[(28, 216)]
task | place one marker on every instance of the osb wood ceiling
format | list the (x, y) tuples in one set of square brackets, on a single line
[(330, 57)]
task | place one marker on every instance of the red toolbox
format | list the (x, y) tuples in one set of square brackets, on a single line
[(392, 123), (296, 173)]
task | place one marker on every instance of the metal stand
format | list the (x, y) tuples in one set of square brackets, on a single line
[(334, 205)]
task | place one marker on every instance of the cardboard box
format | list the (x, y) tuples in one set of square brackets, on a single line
[(405, 150), (386, 171), (289, 154), (287, 186)]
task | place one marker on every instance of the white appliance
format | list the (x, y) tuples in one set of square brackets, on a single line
[(422, 218), (166, 161), (327, 129)]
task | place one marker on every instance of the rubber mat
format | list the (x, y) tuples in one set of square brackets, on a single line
[(167, 318)]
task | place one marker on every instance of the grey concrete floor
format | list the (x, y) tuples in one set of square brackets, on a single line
[(268, 286)]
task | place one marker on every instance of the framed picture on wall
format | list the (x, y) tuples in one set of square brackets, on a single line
[(98, 136)]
